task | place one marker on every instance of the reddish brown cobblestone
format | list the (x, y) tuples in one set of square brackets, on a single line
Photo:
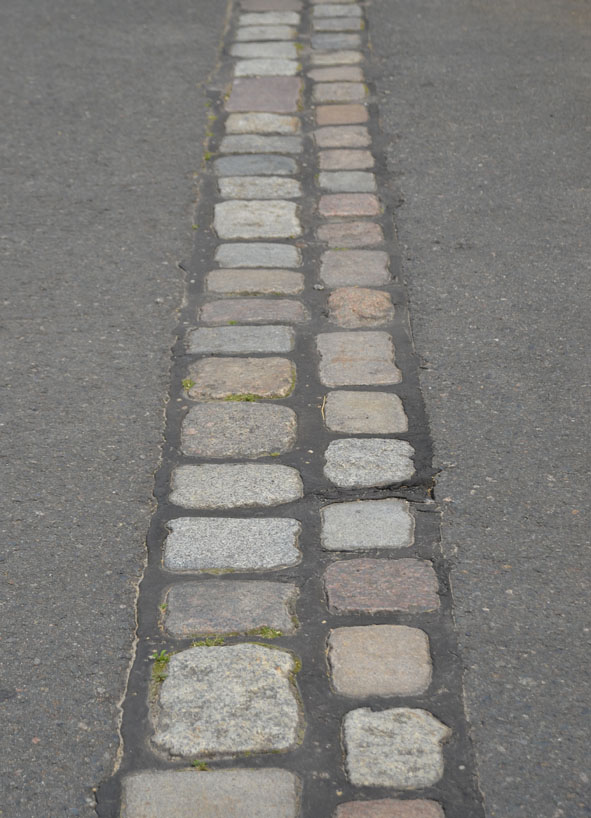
[(353, 307), (341, 114), (349, 204), (345, 160), (390, 808), (222, 378), (279, 95), (341, 268), (351, 234), (345, 136)]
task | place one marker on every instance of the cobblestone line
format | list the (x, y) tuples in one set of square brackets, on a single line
[(296, 654)]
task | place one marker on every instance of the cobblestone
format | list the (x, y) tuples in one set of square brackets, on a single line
[(351, 234), (261, 254), (339, 92), (255, 282), (338, 24), (265, 68), (259, 187), (342, 268), (399, 748), (238, 429), (354, 307), (357, 358), (254, 311), (335, 42), (379, 660), (257, 143), (271, 5), (255, 165), (355, 463), (248, 219), (390, 808), (336, 10), (366, 524), (270, 18), (219, 701), (229, 606), (346, 57), (230, 544), (365, 413), (345, 159), (221, 378), (262, 123), (261, 33), (348, 204), (284, 50), (342, 136), (340, 73), (347, 181), (279, 95), (331, 115), (235, 485)]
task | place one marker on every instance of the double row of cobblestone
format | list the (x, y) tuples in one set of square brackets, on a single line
[(275, 326)]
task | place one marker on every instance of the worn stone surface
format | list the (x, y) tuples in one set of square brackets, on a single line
[(351, 181), (240, 340), (266, 67), (351, 358), (259, 187), (278, 95), (220, 794), (229, 606), (339, 92), (367, 524), (390, 808), (270, 18), (370, 586), (336, 10), (218, 701), (365, 413), (330, 115), (253, 311), (346, 57), (259, 254), (271, 5), (338, 24), (234, 485), (261, 33), (339, 73), (238, 429), (379, 660), (255, 282), (259, 51), (260, 143), (220, 378), (342, 136), (351, 234), (262, 123), (361, 463), (345, 159), (341, 268), (335, 42), (399, 748), (248, 219), (349, 204), (255, 165), (354, 307), (231, 544)]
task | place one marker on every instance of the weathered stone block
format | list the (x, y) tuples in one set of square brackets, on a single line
[(222, 378), (258, 254), (253, 311), (255, 282), (279, 95), (351, 234), (246, 219), (368, 462), (342, 268), (355, 307), (351, 358), (365, 413), (367, 524), (234, 485)]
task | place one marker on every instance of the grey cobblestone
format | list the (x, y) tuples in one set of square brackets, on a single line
[(257, 143), (240, 340), (261, 33), (255, 165), (365, 413), (283, 50), (357, 358), (254, 311), (367, 524), (262, 123), (347, 181), (248, 219), (235, 485), (259, 187), (259, 254), (362, 463), (266, 67)]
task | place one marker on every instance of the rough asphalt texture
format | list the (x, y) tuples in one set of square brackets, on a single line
[(487, 109), (103, 122)]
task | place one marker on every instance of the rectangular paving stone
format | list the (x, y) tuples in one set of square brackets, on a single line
[(231, 544), (261, 33), (218, 701), (335, 42), (338, 24), (339, 92), (255, 165), (379, 660), (255, 282), (365, 413), (223, 378), (345, 159), (390, 808), (349, 204), (234, 485), (374, 586), (368, 462), (262, 123), (355, 307), (259, 254), (254, 219), (342, 136), (367, 524), (340, 73), (239, 429), (255, 143), (347, 181), (399, 748), (357, 358), (341, 268), (258, 51), (254, 311), (240, 340), (279, 95), (346, 57), (271, 5), (351, 234), (270, 18), (228, 607), (259, 187), (266, 68), (330, 2), (229, 793), (336, 10)]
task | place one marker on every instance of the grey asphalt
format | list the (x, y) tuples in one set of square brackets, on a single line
[(103, 118), (487, 110)]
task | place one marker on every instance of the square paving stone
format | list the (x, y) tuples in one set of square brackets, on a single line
[(367, 524), (284, 50), (379, 660), (342, 268), (266, 68), (261, 33), (399, 748), (371, 586), (248, 219), (348, 204), (231, 544), (357, 358), (227, 607), (351, 234), (368, 462), (238, 429), (234, 485), (365, 413), (346, 159), (270, 18), (219, 701), (336, 10), (338, 24), (342, 136), (355, 307), (255, 165), (339, 73), (346, 57), (390, 808), (216, 794), (255, 282), (339, 92), (262, 123), (279, 95), (257, 143), (347, 181), (259, 254), (221, 378), (254, 311), (259, 187), (240, 340), (335, 42), (271, 5)]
